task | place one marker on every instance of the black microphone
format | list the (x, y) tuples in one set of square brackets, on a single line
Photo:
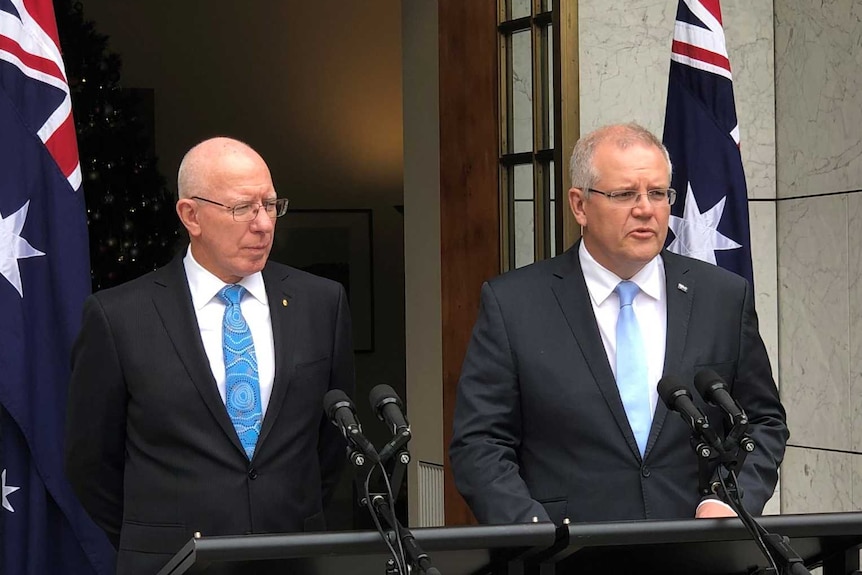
[(713, 389), (342, 413), (678, 398), (388, 407)]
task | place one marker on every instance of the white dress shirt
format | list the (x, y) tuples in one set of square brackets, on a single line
[(209, 309), (650, 306)]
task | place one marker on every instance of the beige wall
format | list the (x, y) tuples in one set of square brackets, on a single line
[(329, 122), (424, 338)]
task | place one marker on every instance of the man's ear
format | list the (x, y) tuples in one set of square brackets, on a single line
[(576, 203), (187, 210)]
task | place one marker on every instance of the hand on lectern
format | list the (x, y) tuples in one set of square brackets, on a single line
[(713, 509)]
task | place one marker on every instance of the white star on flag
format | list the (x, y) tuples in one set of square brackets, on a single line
[(13, 247), (697, 234), (6, 491)]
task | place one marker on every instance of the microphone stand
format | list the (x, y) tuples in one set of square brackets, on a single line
[(362, 477), (379, 504), (784, 560), (712, 452), (396, 450), (418, 557), (730, 455)]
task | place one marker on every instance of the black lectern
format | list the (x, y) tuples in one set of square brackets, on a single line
[(704, 546), (684, 547), (454, 550)]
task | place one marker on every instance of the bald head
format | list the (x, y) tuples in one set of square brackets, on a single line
[(210, 158)]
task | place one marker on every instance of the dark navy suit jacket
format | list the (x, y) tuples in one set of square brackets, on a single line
[(540, 430)]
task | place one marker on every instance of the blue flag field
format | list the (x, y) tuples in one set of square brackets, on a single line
[(44, 278)]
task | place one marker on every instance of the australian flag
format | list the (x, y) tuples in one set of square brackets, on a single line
[(44, 278), (709, 220)]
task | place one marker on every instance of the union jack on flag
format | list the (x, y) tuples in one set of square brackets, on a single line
[(29, 42), (709, 220), (44, 278)]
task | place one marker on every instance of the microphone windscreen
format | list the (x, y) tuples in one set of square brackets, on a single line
[(669, 387), (334, 399), (706, 381), (382, 394)]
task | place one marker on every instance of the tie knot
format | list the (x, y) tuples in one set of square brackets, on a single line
[(627, 291), (231, 294)]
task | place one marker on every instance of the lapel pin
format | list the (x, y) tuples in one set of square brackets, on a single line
[(682, 287), (284, 303)]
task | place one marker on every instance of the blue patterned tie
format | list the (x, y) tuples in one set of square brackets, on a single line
[(632, 366), (242, 388)]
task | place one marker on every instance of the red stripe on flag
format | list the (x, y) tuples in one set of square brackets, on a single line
[(701, 54), (30, 61), (714, 7), (43, 14), (64, 147)]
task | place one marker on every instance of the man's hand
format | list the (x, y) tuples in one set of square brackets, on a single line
[(712, 508)]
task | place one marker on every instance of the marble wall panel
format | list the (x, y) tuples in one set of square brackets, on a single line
[(815, 481), (854, 249), (855, 483), (764, 256), (818, 78), (814, 320), (749, 32)]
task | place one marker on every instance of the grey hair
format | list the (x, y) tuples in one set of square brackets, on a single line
[(583, 172)]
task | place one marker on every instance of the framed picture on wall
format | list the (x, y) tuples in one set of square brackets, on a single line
[(335, 244)]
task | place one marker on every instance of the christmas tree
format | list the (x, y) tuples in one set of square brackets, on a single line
[(130, 211)]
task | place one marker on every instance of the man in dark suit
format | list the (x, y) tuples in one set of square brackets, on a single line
[(172, 427), (551, 423)]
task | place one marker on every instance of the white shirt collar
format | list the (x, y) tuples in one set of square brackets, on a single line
[(204, 286), (601, 282)]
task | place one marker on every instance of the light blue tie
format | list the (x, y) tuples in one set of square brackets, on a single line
[(242, 387), (632, 366)]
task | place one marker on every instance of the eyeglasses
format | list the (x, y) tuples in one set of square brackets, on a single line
[(629, 198), (247, 211)]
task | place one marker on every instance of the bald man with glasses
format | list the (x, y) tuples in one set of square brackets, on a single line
[(557, 415), (196, 392)]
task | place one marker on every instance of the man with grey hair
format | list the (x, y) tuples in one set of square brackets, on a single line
[(196, 396), (557, 414)]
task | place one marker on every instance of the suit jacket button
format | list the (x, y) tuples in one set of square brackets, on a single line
[(252, 473), (645, 471)]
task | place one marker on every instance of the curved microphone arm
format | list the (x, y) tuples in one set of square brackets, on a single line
[(783, 559), (418, 557)]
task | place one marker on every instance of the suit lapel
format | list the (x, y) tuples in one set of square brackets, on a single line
[(282, 306), (680, 294), (679, 289), (573, 298), (173, 301)]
